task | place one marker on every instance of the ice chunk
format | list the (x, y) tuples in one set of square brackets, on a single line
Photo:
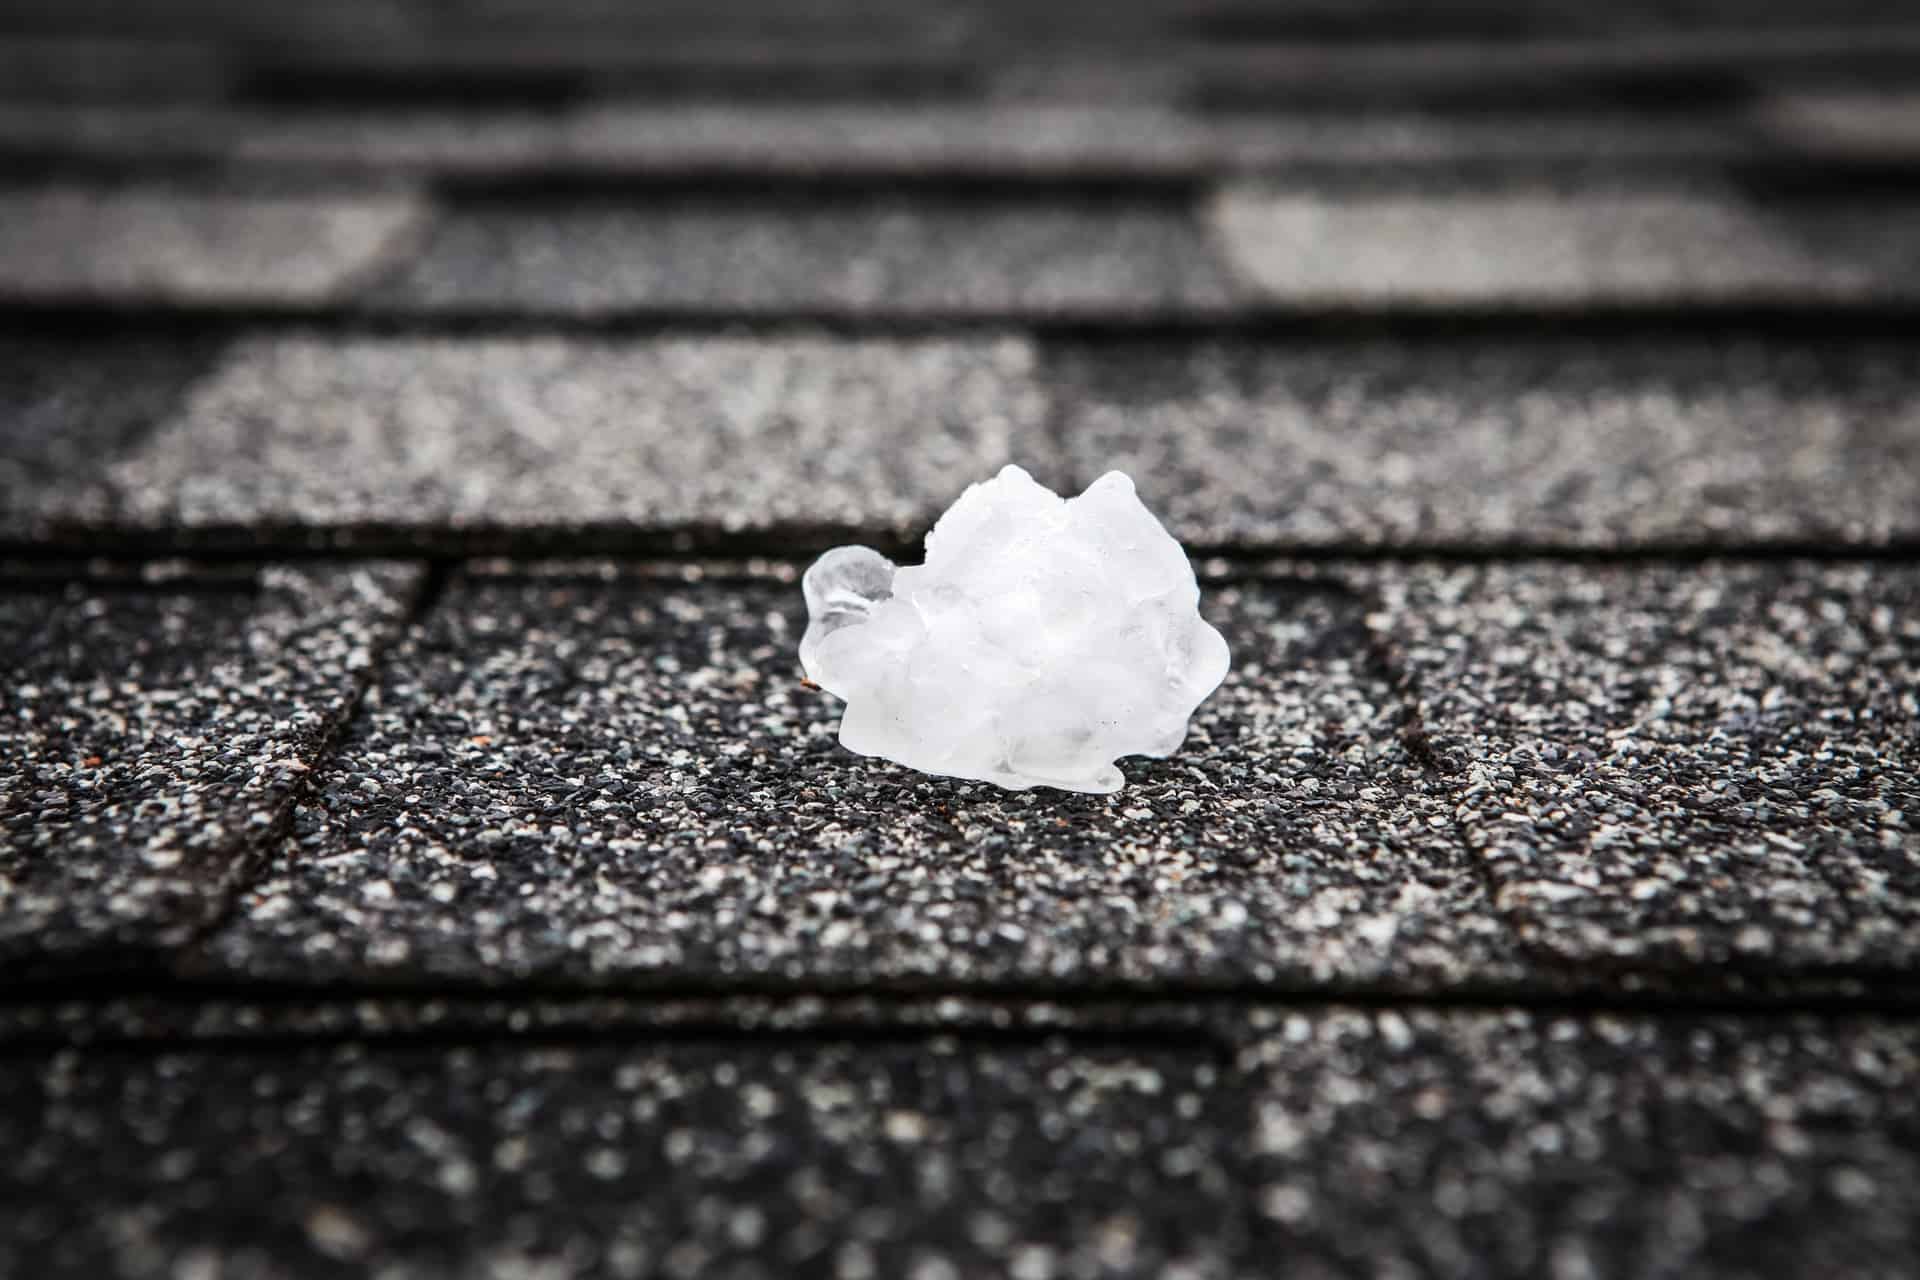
[(842, 588), (1043, 639)]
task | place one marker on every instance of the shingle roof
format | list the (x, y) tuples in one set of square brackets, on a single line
[(158, 731), (421, 855)]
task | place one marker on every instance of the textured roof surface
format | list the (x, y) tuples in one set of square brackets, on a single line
[(655, 434), (1658, 765), (623, 781), (134, 244), (157, 732), (420, 855), (1593, 443)]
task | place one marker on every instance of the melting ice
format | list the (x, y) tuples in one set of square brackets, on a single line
[(1042, 639)]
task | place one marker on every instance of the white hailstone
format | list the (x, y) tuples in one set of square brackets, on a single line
[(1043, 639)]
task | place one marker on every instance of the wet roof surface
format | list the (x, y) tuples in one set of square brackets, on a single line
[(420, 856)]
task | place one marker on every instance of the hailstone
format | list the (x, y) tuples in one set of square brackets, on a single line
[(1042, 639)]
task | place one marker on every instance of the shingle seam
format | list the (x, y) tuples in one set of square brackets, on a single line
[(1196, 1037), (1784, 316), (223, 1013), (252, 854), (1383, 655), (396, 254)]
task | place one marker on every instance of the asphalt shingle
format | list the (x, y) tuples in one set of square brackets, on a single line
[(1506, 248), (442, 440), (154, 734), (772, 1159), (867, 254), (157, 1020), (1149, 140), (1863, 126), (523, 919), (1136, 138), (622, 781), (1589, 444), (1564, 62), (1682, 767), (1026, 137), (1511, 1143), (452, 442), (67, 407), (95, 68), (145, 244), (1494, 1142), (416, 140)]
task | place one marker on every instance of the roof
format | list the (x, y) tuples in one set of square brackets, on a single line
[(422, 856)]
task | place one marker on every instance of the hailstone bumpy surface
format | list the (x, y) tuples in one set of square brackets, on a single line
[(1042, 639)]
